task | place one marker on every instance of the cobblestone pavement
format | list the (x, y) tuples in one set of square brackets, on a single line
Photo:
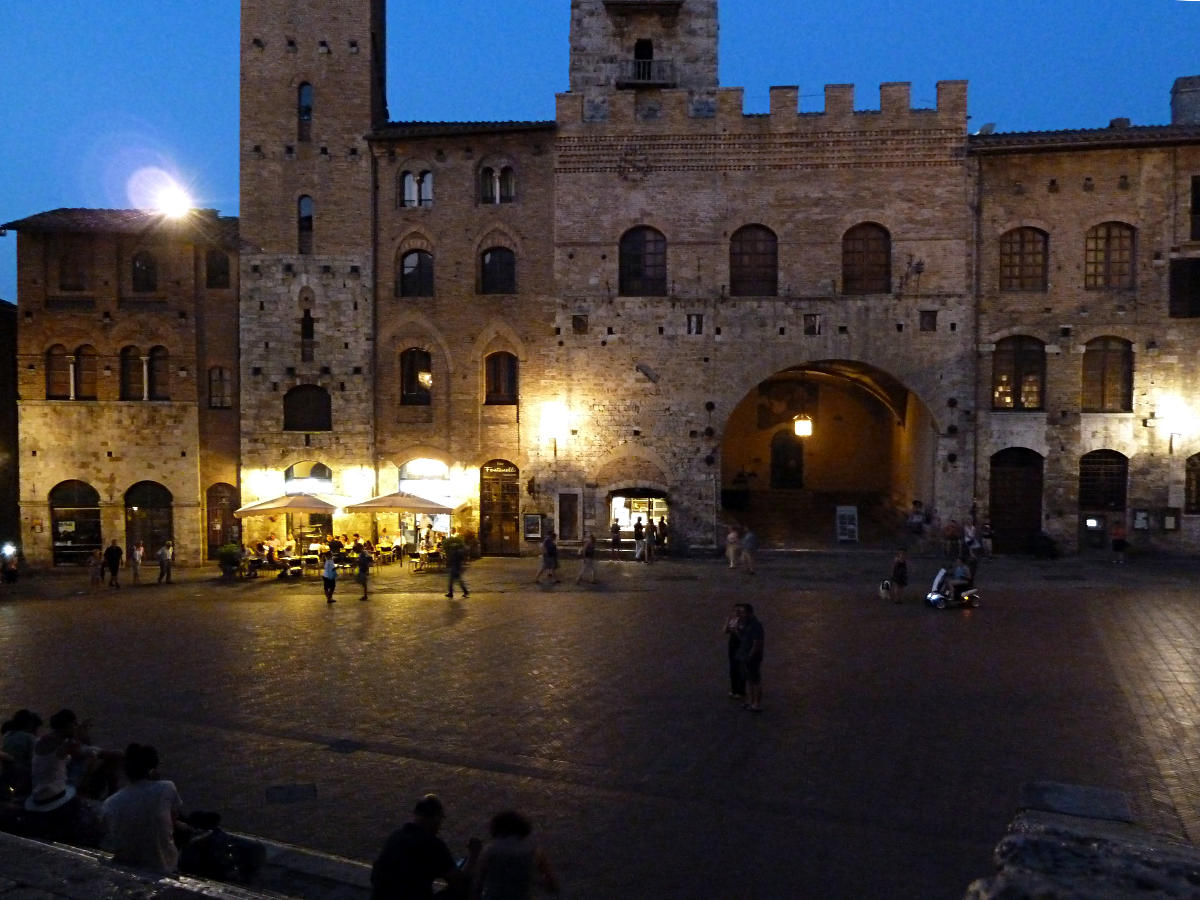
[(887, 763)]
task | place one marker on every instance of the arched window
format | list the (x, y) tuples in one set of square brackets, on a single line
[(304, 112), (1023, 260), (497, 185), (307, 407), (416, 188), (867, 260), (145, 272), (1191, 490), (58, 373), (74, 522), (498, 271), (85, 373), (74, 262), (1019, 373), (501, 379), (416, 377), (1108, 375), (159, 374), (1103, 479), (304, 225), (133, 374), (308, 336), (753, 262), (216, 270), (1108, 257), (220, 388), (308, 477), (643, 263), (414, 275)]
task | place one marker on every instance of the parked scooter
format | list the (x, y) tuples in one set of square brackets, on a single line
[(943, 594)]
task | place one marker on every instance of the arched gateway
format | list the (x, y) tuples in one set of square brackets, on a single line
[(809, 439)]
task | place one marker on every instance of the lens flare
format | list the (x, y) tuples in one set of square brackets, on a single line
[(154, 188)]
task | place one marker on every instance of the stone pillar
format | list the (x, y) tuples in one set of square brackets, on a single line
[(1185, 101)]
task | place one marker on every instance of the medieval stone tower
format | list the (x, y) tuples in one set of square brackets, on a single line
[(669, 44), (313, 79)]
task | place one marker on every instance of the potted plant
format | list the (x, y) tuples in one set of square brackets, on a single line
[(229, 557)]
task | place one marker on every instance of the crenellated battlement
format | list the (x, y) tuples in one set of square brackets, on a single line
[(723, 110)]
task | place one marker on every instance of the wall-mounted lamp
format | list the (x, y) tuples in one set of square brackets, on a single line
[(803, 426)]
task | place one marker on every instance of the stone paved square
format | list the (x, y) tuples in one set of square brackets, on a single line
[(887, 763)]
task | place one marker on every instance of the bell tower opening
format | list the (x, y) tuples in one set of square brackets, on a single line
[(621, 45)]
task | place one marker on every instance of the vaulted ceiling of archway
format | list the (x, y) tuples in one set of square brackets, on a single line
[(879, 384)]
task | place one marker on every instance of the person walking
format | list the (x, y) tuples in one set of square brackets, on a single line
[(587, 560), (549, 559), (737, 678), (651, 540), (639, 541), (136, 555), (733, 545), (1120, 542), (455, 551), (166, 556), (899, 578), (329, 578), (363, 562), (96, 569), (615, 530), (751, 638), (664, 533), (747, 545), (112, 562)]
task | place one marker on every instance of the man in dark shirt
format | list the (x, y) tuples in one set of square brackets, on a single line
[(112, 562), (414, 856), (750, 652)]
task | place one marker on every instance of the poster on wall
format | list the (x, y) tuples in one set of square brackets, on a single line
[(533, 526)]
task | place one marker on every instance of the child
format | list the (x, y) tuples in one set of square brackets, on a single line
[(899, 576)]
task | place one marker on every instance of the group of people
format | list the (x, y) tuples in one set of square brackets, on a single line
[(109, 562), (740, 544), (648, 539), (746, 639), (76, 792), (549, 560), (506, 868)]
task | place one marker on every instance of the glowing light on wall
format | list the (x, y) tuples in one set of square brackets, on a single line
[(261, 484), (358, 482), (555, 424), (803, 426)]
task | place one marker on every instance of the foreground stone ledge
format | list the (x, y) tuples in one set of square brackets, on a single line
[(1086, 849), (33, 870)]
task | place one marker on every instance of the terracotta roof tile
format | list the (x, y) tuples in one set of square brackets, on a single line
[(202, 225)]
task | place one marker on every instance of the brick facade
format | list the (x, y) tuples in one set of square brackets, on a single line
[(683, 390)]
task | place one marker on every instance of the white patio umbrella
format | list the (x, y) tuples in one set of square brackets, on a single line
[(400, 502), (291, 503)]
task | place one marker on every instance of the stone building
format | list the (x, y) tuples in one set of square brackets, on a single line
[(633, 311), (127, 393), (9, 515)]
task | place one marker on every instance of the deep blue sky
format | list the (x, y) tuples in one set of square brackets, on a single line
[(93, 89)]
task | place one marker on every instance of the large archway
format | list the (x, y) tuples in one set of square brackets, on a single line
[(872, 447)]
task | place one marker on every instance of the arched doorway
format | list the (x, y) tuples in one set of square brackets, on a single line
[(1103, 487), (74, 522), (872, 447), (499, 508), (1015, 499), (223, 527), (787, 460), (148, 516)]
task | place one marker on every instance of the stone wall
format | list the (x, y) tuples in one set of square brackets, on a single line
[(1065, 194)]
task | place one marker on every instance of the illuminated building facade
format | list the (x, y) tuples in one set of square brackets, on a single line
[(624, 311)]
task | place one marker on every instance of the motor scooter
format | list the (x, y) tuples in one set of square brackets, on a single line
[(942, 593)]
